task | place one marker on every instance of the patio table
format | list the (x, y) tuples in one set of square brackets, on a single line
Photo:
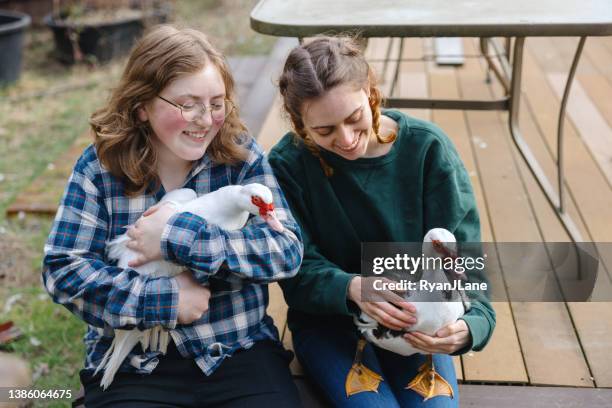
[(514, 20)]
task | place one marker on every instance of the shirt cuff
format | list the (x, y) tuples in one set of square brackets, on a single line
[(342, 304), (479, 328), (161, 302)]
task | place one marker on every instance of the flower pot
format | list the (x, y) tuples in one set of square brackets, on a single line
[(12, 28), (101, 41), (36, 9)]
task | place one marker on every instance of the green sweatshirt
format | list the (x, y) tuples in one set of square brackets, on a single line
[(420, 184)]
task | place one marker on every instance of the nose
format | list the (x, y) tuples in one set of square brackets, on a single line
[(204, 118), (346, 136)]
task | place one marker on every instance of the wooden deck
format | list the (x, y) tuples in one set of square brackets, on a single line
[(537, 344)]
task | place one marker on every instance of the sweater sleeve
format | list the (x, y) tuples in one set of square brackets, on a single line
[(255, 252), (320, 287), (449, 203), (76, 275)]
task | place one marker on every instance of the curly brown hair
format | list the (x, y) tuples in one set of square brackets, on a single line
[(314, 68), (123, 142)]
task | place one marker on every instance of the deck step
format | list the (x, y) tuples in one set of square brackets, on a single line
[(500, 396), (255, 106)]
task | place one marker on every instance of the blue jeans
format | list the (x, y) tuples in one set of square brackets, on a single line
[(327, 353)]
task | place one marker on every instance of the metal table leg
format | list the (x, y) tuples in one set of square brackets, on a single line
[(554, 199), (397, 67), (502, 73)]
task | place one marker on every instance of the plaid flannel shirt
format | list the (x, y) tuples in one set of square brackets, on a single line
[(237, 265)]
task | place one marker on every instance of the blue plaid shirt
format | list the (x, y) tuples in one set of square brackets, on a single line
[(237, 265)]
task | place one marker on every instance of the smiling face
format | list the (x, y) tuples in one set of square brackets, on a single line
[(180, 142), (340, 121)]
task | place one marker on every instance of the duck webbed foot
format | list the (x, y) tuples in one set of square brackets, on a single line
[(428, 383), (360, 378)]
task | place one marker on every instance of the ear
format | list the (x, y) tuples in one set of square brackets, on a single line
[(367, 91), (142, 113)]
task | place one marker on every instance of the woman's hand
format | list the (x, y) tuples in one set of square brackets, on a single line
[(448, 339), (193, 298), (146, 234), (391, 310)]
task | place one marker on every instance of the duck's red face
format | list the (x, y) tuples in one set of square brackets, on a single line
[(264, 208), (266, 211)]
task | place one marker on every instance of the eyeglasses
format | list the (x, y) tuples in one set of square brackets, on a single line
[(193, 110)]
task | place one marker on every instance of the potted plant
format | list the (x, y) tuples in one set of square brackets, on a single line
[(12, 29), (99, 30), (36, 9)]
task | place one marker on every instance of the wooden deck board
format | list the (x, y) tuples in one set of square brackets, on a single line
[(413, 79), (594, 337), (246, 72), (529, 397), (256, 105), (547, 361), (501, 360), (599, 89), (376, 51), (274, 126), (277, 308), (599, 55), (594, 130), (586, 185)]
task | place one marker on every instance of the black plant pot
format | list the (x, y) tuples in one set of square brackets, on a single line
[(103, 41), (12, 29)]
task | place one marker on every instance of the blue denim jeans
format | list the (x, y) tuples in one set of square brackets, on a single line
[(327, 353)]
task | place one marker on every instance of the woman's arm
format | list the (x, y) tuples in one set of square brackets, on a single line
[(254, 253), (76, 275), (449, 203), (321, 286)]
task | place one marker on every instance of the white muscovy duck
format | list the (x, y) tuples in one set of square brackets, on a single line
[(434, 310), (229, 208)]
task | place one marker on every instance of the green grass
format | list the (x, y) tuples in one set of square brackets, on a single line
[(60, 335), (38, 131)]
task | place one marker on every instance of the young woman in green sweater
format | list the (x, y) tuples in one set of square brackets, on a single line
[(353, 173)]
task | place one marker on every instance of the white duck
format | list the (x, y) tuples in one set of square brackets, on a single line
[(229, 208), (434, 310)]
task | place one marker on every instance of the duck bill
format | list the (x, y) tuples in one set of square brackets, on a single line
[(273, 221)]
